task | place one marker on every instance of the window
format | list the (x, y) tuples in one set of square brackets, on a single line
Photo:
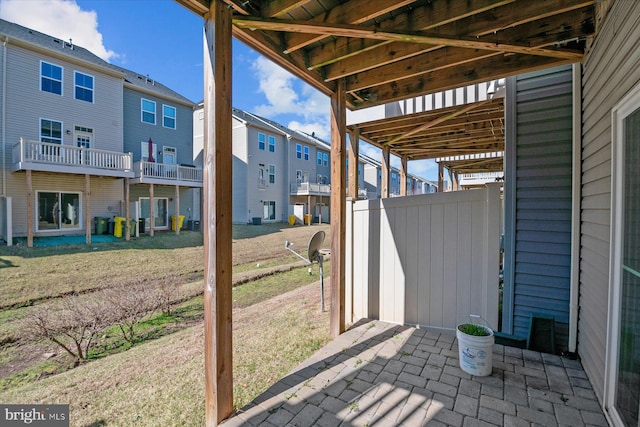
[(57, 210), (269, 210), (262, 140), (168, 117), (160, 211), (306, 152), (147, 151), (83, 84), (148, 111), (272, 144), (83, 136), (50, 131), (319, 161), (298, 177), (272, 174), (261, 181), (298, 151), (319, 179), (50, 78), (325, 159), (169, 155)]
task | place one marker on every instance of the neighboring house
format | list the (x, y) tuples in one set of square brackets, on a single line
[(372, 180), (67, 156)]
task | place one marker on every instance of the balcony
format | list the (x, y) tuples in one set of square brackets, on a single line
[(309, 189), (50, 157), (167, 174)]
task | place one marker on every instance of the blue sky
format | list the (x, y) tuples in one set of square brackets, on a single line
[(164, 40)]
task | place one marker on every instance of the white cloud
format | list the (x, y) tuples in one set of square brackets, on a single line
[(287, 95), (59, 18)]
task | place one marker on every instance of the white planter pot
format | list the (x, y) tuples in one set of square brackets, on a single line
[(475, 353)]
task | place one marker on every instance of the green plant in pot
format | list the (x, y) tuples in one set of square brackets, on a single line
[(475, 348), (474, 329)]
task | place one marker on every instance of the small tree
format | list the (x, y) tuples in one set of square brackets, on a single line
[(129, 304), (73, 324)]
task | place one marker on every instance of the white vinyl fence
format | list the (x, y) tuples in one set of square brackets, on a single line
[(428, 260)]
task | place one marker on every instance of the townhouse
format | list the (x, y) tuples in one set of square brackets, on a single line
[(72, 131)]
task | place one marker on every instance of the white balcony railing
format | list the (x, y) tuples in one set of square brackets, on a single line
[(65, 155), (167, 171), (310, 188)]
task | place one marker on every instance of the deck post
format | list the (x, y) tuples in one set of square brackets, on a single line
[(152, 211), (127, 212), (29, 209), (177, 210), (354, 155), (217, 213), (338, 208), (386, 169), (87, 208), (440, 177), (403, 175)]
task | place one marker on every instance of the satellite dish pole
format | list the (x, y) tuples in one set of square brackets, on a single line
[(314, 255)]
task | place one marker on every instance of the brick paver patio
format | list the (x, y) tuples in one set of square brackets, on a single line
[(379, 374)]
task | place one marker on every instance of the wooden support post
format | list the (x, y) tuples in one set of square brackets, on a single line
[(354, 155), (127, 212), (177, 210), (403, 175), (217, 214), (309, 208), (87, 208), (29, 209), (338, 208), (152, 211), (440, 178), (386, 170)]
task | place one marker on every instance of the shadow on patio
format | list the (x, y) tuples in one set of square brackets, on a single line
[(380, 374)]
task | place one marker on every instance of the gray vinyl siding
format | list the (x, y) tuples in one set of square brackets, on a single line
[(610, 70), (542, 258), (136, 131), (321, 169), (242, 176), (164, 191), (27, 104)]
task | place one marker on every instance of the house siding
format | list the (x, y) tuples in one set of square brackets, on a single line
[(611, 69), (242, 176), (542, 227)]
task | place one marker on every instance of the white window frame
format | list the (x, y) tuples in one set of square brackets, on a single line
[(51, 78), (148, 220), (306, 152), (174, 118), (272, 143), (171, 151), (298, 151), (262, 141), (298, 177), (90, 89), (79, 213), (627, 105), (142, 111), (82, 130), (144, 151), (49, 137), (325, 159), (271, 171), (266, 203), (319, 158)]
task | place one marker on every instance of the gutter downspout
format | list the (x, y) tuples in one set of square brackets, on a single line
[(4, 116), (576, 194)]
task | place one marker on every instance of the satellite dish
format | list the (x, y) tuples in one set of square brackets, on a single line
[(314, 245)]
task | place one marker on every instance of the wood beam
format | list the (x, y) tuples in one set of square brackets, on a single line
[(338, 209), (440, 178), (495, 67), (127, 213), (354, 155), (344, 30), (199, 7), (30, 219), (87, 208), (152, 211), (403, 175), (351, 12), (275, 8), (386, 170), (217, 214)]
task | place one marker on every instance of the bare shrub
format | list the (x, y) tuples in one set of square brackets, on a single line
[(73, 324), (167, 295), (129, 304)]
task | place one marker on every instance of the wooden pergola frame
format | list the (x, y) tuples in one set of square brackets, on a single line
[(361, 53)]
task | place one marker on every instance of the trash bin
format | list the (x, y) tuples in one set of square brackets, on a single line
[(307, 219), (110, 224), (256, 220), (142, 223), (118, 225), (101, 225), (173, 222), (292, 220), (132, 227), (193, 225)]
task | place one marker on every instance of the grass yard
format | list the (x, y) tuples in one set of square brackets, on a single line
[(158, 380)]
